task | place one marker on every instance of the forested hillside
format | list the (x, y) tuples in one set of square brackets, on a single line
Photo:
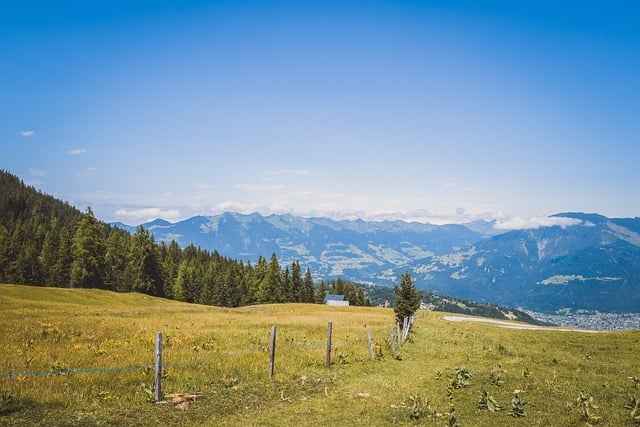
[(46, 242)]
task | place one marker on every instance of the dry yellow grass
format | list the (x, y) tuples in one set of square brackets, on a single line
[(221, 353)]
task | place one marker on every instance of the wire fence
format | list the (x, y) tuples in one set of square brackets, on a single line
[(395, 339)]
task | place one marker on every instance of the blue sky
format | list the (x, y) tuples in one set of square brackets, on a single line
[(439, 111)]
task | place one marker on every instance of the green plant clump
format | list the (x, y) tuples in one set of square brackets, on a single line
[(488, 402), (517, 406)]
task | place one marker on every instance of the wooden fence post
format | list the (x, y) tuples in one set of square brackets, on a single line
[(328, 358), (158, 378), (399, 332), (272, 351), (370, 342), (393, 341)]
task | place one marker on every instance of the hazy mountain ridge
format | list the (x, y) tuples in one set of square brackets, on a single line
[(354, 249), (593, 264)]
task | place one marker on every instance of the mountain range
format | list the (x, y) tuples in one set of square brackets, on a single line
[(590, 262)]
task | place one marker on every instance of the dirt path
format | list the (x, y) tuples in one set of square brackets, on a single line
[(511, 325)]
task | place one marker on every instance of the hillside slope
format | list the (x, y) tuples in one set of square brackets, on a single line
[(85, 357), (592, 265)]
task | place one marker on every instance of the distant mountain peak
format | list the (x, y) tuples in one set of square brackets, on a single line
[(524, 267)]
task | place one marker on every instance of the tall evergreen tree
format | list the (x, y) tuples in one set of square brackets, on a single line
[(61, 274), (116, 253), (307, 287), (297, 284), (271, 287), (407, 298), (321, 292), (5, 256), (49, 253), (144, 265), (338, 288), (87, 251), (170, 259), (287, 286), (179, 290)]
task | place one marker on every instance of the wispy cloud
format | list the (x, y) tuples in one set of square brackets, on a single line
[(200, 186), (147, 214), (77, 151), (87, 172), (28, 133), (260, 187), (36, 172), (290, 172), (518, 223)]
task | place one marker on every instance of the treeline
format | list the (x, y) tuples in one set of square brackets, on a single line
[(46, 242), (353, 292)]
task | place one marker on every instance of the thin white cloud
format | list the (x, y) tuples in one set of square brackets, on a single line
[(28, 133), (147, 214), (260, 187), (87, 172), (240, 207), (36, 172), (200, 186), (77, 151), (518, 223), (290, 172)]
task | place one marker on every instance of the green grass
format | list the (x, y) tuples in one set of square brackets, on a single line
[(222, 353)]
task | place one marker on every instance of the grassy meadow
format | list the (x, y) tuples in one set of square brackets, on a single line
[(85, 357)]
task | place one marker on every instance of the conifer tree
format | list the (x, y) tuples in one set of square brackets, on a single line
[(117, 250), (87, 250), (49, 253), (321, 292), (297, 284), (61, 274), (180, 289), (338, 288), (271, 288), (307, 285), (144, 266), (407, 298), (287, 286)]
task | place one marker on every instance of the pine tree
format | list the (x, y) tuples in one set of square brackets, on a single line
[(321, 292), (287, 286), (297, 283), (170, 257), (407, 298), (338, 289), (144, 266), (61, 274), (87, 250), (271, 287), (117, 250), (49, 252), (307, 286)]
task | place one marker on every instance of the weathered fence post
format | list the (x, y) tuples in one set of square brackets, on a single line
[(393, 341), (272, 351), (328, 358), (399, 336), (370, 342), (158, 378)]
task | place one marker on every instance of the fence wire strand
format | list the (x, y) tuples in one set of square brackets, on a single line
[(174, 364)]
